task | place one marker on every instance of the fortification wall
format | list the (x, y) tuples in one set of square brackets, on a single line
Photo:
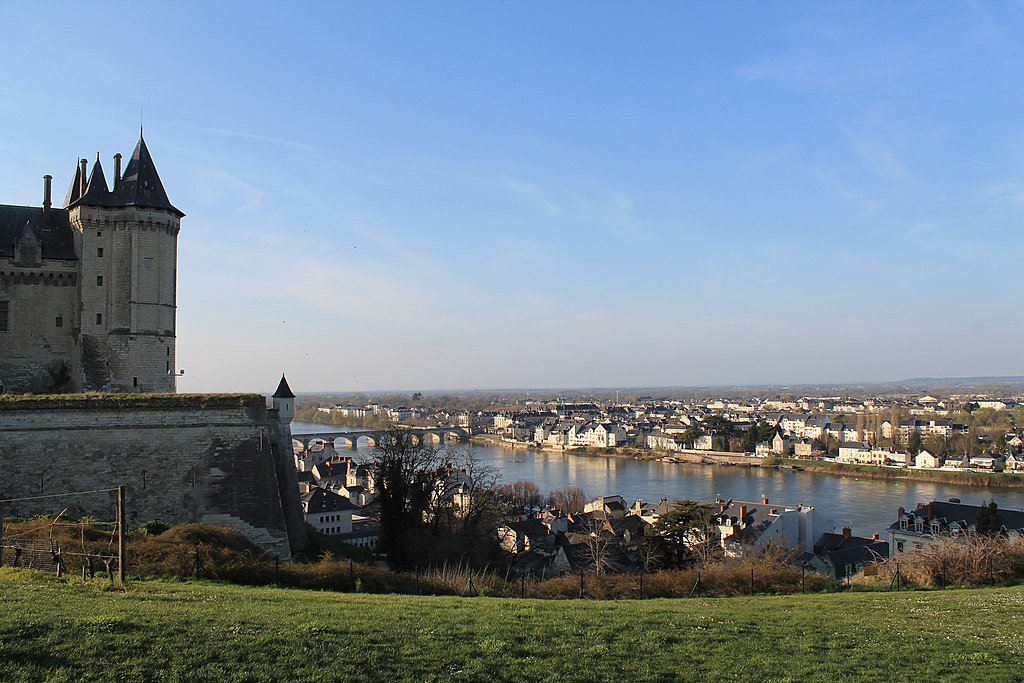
[(215, 459)]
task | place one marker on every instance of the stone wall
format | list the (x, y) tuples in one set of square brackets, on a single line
[(37, 351), (128, 294), (215, 459)]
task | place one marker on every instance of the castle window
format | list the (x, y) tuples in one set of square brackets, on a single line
[(147, 261), (99, 252), (60, 321), (99, 234), (27, 255), (99, 318), (135, 381), (99, 280), (4, 310)]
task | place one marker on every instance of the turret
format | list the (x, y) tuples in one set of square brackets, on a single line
[(284, 401), (127, 242)]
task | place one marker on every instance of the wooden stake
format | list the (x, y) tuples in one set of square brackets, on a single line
[(122, 548)]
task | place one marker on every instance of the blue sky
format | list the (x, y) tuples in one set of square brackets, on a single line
[(496, 194)]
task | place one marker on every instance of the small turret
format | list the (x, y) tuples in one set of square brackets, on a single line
[(284, 401)]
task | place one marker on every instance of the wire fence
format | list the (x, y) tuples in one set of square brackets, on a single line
[(51, 540)]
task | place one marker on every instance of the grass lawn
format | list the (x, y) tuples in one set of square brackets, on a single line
[(160, 630)]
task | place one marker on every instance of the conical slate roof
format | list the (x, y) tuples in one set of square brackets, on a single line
[(283, 390), (96, 191), (75, 191), (140, 185)]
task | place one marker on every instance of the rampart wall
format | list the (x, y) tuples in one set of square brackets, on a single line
[(215, 459)]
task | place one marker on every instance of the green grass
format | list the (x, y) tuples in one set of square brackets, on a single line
[(159, 630)]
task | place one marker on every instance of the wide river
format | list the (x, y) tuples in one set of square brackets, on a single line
[(865, 505)]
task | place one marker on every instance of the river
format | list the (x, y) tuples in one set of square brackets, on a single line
[(865, 505)]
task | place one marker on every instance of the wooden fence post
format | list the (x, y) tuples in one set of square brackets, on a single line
[(122, 547)]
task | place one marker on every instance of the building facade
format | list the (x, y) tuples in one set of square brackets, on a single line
[(88, 291)]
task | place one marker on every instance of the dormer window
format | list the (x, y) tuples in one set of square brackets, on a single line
[(28, 255)]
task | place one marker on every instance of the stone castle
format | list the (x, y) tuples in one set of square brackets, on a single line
[(87, 302), (87, 291)]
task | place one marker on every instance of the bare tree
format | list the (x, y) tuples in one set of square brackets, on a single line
[(405, 478), (522, 496), (598, 542), (569, 499)]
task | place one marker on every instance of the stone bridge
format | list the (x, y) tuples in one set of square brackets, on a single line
[(372, 437)]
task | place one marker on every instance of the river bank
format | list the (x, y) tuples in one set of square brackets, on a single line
[(998, 480), (995, 480)]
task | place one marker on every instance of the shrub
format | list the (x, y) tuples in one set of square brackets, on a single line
[(963, 561)]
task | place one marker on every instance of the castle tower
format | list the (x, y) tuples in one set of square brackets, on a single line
[(283, 401), (126, 238)]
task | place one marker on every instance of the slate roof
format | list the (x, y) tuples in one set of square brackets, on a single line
[(320, 500), (58, 242), (283, 390), (75, 191), (844, 551), (963, 514), (140, 185), (96, 191)]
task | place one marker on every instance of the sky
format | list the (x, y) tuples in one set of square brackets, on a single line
[(470, 195)]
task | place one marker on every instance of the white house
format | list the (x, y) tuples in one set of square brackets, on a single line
[(854, 452), (327, 512), (747, 528), (926, 459)]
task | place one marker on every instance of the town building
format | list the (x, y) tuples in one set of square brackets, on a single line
[(913, 530)]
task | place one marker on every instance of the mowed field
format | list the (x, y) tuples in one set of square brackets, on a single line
[(57, 630)]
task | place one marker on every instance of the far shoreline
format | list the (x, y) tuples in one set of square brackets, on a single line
[(997, 480)]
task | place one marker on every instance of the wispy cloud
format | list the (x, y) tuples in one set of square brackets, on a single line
[(242, 135), (817, 74), (1003, 192), (218, 186), (986, 163), (530, 193), (877, 153)]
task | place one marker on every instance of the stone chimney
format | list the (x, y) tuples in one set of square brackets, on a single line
[(117, 170), (47, 184), (85, 175), (743, 513), (764, 501), (847, 532)]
